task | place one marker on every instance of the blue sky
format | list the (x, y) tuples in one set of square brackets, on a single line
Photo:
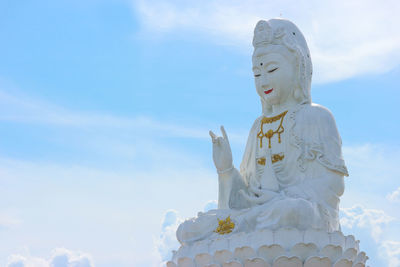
[(105, 108)]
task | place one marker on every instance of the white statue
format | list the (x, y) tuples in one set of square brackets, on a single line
[(281, 208), (292, 170)]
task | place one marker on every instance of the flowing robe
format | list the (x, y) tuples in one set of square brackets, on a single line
[(310, 180)]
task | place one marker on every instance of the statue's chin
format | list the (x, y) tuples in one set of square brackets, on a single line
[(272, 100)]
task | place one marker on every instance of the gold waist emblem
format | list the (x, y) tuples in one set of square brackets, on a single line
[(225, 226), (274, 158)]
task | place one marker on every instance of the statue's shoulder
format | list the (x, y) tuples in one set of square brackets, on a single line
[(257, 122), (316, 114)]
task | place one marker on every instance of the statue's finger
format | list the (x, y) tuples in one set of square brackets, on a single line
[(256, 191), (219, 140), (213, 136), (224, 134)]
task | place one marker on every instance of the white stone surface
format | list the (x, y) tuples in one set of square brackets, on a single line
[(284, 200), (307, 250)]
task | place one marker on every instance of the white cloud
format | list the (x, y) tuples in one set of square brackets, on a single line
[(211, 205), (372, 224), (21, 108), (7, 221), (346, 38), (60, 257), (391, 251), (373, 170), (167, 241), (394, 196), (372, 219)]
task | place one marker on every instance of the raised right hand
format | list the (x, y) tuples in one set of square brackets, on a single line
[(222, 154)]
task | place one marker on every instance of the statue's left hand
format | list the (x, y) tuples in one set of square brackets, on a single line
[(258, 196), (222, 154)]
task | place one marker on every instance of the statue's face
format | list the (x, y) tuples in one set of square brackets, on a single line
[(274, 75)]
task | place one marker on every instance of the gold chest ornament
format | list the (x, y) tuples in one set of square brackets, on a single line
[(269, 134)]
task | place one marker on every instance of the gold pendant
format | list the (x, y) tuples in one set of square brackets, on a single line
[(270, 132)]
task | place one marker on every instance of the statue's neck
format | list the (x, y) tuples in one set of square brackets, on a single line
[(279, 108)]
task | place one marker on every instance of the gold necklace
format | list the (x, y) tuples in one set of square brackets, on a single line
[(270, 132)]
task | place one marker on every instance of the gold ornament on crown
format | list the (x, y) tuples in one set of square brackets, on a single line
[(270, 132)]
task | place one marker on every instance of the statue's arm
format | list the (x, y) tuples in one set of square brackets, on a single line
[(227, 173), (230, 183), (324, 166), (322, 140)]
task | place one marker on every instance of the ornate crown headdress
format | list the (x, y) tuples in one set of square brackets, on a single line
[(264, 35)]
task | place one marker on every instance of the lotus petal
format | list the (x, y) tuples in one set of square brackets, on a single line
[(218, 244), (232, 264), (264, 237), (171, 264), (256, 262), (185, 262), (357, 246), (201, 246), (182, 252), (361, 257), (287, 237), (303, 251), (350, 254), (269, 253), (318, 237), (318, 262), (338, 239), (343, 263), (284, 261), (222, 256), (332, 252), (203, 259), (239, 240), (350, 242), (244, 253)]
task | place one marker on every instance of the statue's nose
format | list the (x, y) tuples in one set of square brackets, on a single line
[(265, 85), (264, 82)]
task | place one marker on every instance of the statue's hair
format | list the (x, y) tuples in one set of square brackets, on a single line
[(284, 32)]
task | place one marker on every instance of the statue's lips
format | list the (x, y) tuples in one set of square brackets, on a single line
[(268, 91)]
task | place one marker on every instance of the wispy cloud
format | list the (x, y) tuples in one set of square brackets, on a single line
[(373, 170), (391, 251), (21, 108), (60, 257), (17, 107), (7, 221), (370, 224), (358, 216), (167, 241), (394, 196), (346, 38)]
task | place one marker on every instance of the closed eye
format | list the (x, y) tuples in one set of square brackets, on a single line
[(272, 70), (257, 75)]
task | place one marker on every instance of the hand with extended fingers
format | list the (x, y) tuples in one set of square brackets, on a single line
[(222, 154)]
